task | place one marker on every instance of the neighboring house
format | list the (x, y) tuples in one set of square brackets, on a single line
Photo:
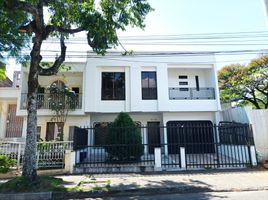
[(11, 124), (154, 89)]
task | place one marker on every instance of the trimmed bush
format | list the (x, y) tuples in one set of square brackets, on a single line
[(124, 140), (6, 163)]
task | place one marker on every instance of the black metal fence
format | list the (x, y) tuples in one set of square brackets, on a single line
[(206, 146)]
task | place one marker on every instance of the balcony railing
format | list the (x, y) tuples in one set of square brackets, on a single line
[(44, 103), (191, 93)]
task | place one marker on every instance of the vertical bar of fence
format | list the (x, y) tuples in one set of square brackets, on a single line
[(216, 144), (19, 155)]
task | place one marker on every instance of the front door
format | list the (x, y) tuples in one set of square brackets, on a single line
[(153, 136), (14, 123), (54, 130)]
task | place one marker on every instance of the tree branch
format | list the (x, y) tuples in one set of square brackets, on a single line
[(55, 67), (52, 28)]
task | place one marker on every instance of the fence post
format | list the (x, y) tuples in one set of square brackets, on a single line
[(253, 155), (72, 162), (19, 155), (182, 157), (157, 159)]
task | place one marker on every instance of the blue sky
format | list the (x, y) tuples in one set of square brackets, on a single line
[(205, 16), (172, 17)]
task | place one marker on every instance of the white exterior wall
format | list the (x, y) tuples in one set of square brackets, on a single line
[(188, 116), (203, 74), (143, 118), (87, 76), (167, 76)]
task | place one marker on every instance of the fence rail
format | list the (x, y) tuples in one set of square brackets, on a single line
[(44, 103), (176, 93), (49, 154)]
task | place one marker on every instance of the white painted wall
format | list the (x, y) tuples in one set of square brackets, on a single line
[(259, 121), (167, 69), (143, 118), (203, 74), (191, 116)]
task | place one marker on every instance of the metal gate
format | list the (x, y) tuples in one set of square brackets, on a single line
[(209, 146), (206, 146)]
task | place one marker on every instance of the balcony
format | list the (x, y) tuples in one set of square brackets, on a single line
[(44, 103), (191, 93)]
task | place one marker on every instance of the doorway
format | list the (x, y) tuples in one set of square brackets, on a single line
[(153, 131)]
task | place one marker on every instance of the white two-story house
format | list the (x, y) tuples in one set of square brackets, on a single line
[(155, 88)]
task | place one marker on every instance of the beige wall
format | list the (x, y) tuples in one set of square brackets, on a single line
[(7, 96), (71, 121)]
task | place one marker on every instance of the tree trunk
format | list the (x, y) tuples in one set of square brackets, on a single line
[(30, 154)]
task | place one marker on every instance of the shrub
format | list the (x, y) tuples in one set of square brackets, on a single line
[(6, 163), (124, 140)]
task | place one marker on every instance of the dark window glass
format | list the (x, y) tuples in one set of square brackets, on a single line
[(183, 77), (41, 90), (76, 90), (149, 88), (183, 83), (197, 83), (184, 89), (113, 86), (100, 133), (38, 133)]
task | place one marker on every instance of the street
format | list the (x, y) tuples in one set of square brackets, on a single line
[(245, 195)]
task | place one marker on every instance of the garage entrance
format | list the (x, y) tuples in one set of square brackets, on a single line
[(196, 136)]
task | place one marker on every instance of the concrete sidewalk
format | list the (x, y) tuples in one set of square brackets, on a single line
[(235, 180)]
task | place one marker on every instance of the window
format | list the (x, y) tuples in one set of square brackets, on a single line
[(197, 83), (113, 86), (183, 77), (148, 82), (76, 90), (184, 89), (183, 83), (38, 134)]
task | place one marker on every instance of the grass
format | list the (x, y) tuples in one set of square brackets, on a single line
[(94, 185), (42, 184), (51, 184)]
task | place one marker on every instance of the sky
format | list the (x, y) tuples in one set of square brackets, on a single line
[(191, 17)]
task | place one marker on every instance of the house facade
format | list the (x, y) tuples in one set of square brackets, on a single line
[(153, 88), (172, 97)]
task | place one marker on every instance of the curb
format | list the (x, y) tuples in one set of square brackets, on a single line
[(118, 193), (26, 196), (146, 191)]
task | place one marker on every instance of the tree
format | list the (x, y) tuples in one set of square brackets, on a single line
[(247, 85), (123, 142), (100, 23), (61, 100)]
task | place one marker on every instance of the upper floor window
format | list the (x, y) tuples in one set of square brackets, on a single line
[(149, 88), (113, 86)]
